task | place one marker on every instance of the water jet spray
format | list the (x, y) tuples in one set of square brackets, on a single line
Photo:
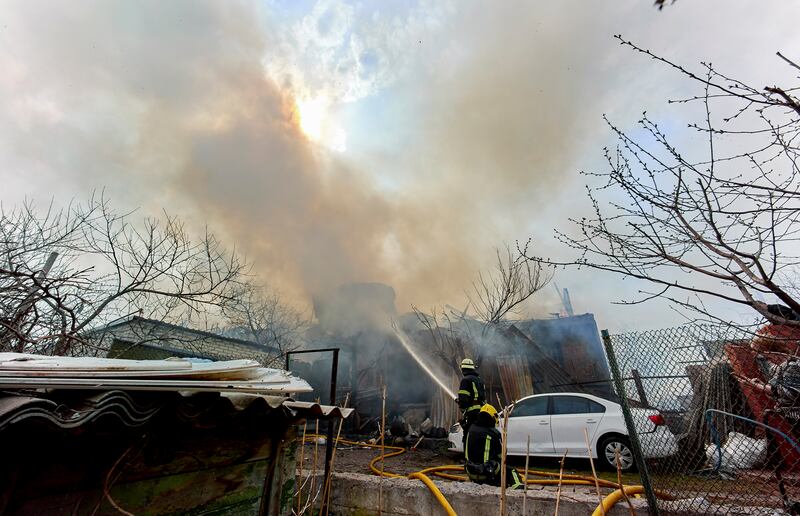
[(403, 338)]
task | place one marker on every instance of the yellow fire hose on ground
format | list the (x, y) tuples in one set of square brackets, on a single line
[(436, 492), (440, 471), (616, 496)]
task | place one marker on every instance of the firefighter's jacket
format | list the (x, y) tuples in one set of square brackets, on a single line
[(471, 392), (484, 442)]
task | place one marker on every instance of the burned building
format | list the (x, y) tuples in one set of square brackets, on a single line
[(574, 344), (515, 358), (361, 320), (534, 356)]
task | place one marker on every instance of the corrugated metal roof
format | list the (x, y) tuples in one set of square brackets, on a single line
[(70, 392), (315, 410), (72, 409)]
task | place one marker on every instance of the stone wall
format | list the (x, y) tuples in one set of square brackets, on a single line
[(357, 494)]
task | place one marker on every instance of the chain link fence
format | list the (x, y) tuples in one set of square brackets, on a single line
[(718, 417)]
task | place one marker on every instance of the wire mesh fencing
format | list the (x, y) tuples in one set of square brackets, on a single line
[(715, 413)]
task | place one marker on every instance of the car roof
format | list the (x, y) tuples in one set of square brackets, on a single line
[(602, 401)]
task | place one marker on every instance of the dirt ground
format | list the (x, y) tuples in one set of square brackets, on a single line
[(356, 459)]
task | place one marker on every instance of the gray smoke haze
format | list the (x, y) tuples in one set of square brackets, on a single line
[(474, 119)]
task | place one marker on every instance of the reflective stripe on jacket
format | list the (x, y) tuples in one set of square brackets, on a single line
[(483, 444)]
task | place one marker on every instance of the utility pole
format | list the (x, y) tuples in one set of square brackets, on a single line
[(566, 302), (30, 299)]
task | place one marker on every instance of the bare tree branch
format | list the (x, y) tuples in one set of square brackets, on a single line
[(259, 315), (106, 267), (515, 279), (722, 226)]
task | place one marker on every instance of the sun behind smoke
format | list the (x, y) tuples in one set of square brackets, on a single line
[(316, 120)]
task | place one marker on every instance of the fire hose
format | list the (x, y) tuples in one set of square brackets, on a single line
[(441, 472)]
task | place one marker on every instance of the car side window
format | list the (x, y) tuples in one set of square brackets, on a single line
[(531, 407), (563, 405), (596, 408)]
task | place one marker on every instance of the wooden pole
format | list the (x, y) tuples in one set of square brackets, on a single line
[(527, 458), (299, 493), (500, 407), (27, 303), (506, 412), (619, 481), (383, 450), (313, 491), (594, 473), (326, 493), (560, 479)]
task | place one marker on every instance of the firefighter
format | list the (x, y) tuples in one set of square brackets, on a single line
[(483, 451), (471, 396)]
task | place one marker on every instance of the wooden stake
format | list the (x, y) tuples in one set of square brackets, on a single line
[(525, 499), (313, 491), (619, 481), (326, 493), (594, 473), (560, 479), (299, 493), (506, 413), (383, 450)]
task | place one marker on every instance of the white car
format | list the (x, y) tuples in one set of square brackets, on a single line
[(556, 424)]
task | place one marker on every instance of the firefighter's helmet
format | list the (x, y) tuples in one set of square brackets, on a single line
[(489, 409), (467, 363)]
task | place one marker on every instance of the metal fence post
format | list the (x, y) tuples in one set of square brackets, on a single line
[(619, 384), (637, 380), (329, 444)]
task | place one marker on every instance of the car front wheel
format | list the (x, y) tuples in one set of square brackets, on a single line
[(610, 446)]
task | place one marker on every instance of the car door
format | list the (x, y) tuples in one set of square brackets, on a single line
[(569, 416), (530, 417)]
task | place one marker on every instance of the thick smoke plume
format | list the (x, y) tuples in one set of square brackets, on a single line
[(192, 106)]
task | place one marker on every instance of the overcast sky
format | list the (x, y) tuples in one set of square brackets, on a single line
[(382, 141)]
